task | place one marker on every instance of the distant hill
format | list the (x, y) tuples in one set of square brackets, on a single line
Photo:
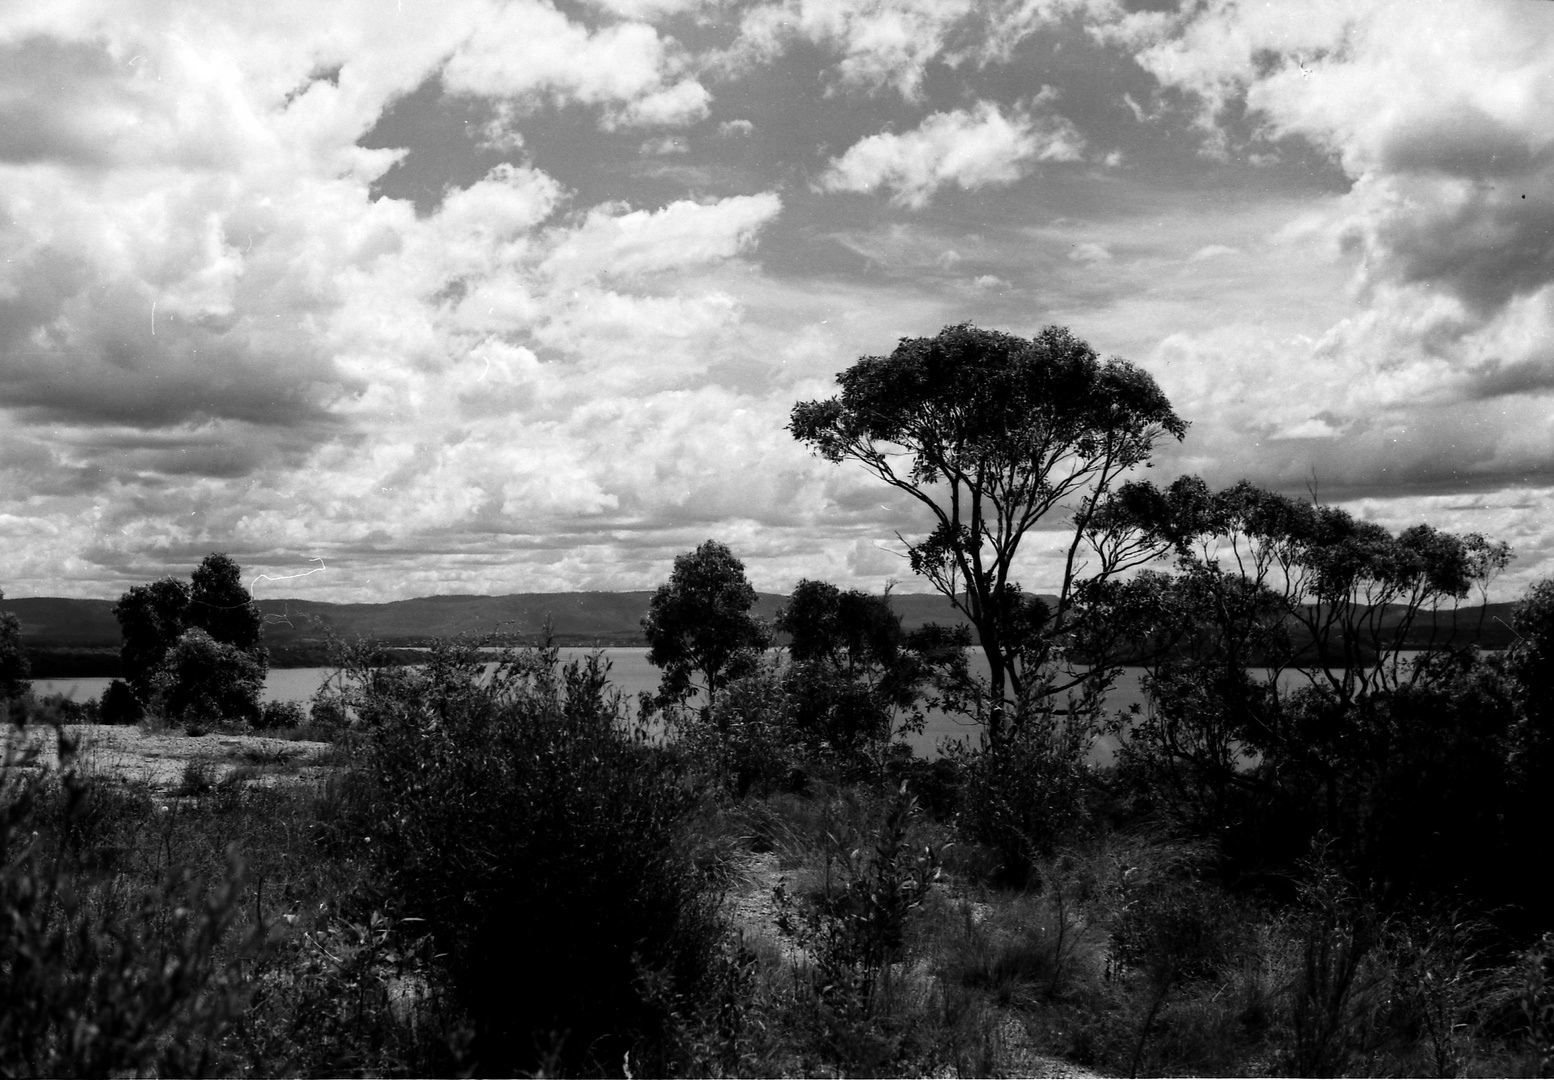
[(80, 638)]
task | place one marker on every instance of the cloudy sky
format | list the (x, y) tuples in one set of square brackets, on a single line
[(487, 296)]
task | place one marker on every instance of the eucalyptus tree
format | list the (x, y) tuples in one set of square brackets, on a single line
[(699, 622), (995, 435)]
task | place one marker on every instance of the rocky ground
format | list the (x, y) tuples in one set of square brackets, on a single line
[(163, 760)]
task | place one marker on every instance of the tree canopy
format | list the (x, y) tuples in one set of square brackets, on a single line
[(14, 667), (993, 433), (156, 617), (220, 604), (699, 621), (151, 618)]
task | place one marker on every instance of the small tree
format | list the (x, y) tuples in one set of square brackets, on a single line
[(853, 672), (151, 618), (220, 604), (154, 618), (993, 434), (207, 681), (14, 667), (699, 622)]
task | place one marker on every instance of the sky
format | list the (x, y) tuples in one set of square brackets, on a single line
[(403, 298)]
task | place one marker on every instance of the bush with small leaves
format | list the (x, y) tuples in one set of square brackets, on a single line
[(282, 715), (204, 682), (541, 844)]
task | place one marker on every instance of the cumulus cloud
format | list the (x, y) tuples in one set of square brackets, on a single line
[(878, 43), (970, 149), (528, 50), (212, 336), (1441, 378)]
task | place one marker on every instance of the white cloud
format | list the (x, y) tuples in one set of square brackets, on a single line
[(880, 42), (1212, 251), (968, 148), (529, 50), (1441, 379), (1089, 252), (683, 103)]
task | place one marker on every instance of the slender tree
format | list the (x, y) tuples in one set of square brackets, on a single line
[(699, 621), (994, 435)]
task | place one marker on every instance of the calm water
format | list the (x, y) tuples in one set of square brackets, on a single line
[(630, 672)]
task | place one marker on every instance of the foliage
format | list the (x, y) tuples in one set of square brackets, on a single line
[(854, 680), (997, 433), (205, 682), (854, 928), (746, 742), (14, 667), (1022, 799), (220, 604), (699, 621), (174, 632), (282, 715), (1537, 1001), (151, 619), (88, 988), (1529, 663), (119, 704), (538, 843)]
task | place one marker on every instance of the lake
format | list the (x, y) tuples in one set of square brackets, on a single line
[(631, 672)]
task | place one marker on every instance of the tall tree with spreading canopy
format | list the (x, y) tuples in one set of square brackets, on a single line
[(993, 434), (699, 622)]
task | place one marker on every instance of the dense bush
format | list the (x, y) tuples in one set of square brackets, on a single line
[(119, 704), (1023, 796), (282, 715), (540, 843), (204, 682)]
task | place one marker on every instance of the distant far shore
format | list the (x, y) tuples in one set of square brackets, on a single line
[(75, 638)]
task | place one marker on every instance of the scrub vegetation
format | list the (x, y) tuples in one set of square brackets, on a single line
[(1316, 853)]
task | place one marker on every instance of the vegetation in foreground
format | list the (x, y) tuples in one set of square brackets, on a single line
[(514, 871)]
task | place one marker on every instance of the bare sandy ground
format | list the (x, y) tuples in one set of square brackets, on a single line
[(159, 759)]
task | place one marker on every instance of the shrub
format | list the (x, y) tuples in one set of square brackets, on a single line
[(743, 743), (120, 705), (206, 682), (1024, 795), (282, 715), (541, 845), (93, 983)]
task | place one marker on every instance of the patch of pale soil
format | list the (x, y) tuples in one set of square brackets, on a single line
[(159, 759)]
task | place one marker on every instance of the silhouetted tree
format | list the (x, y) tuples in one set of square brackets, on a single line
[(853, 670), (992, 434), (208, 681), (220, 604), (155, 618), (14, 666), (699, 621), (151, 618)]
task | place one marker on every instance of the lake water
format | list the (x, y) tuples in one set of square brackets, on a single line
[(631, 672)]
